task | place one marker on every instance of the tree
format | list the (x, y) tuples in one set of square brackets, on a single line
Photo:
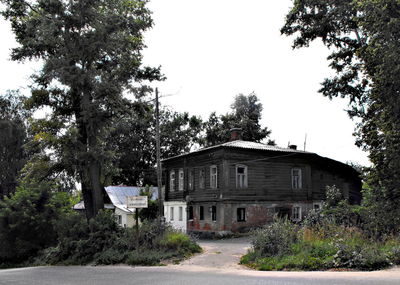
[(92, 53), (245, 114), (365, 42), (133, 140), (13, 137)]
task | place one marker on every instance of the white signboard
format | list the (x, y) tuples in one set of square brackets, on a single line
[(136, 201)]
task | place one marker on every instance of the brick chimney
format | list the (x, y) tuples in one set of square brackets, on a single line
[(236, 134)]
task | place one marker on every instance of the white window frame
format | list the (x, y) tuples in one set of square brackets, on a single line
[(180, 217), (297, 184), (172, 180), (241, 178), (171, 213), (202, 178), (319, 204), (181, 179), (294, 214), (213, 177)]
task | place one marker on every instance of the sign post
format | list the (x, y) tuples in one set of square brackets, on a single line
[(137, 202)]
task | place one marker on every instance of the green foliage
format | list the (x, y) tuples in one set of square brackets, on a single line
[(245, 114), (27, 221), (364, 40)]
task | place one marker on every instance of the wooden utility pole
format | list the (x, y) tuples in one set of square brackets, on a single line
[(159, 173)]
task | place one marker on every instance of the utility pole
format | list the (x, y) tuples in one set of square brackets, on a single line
[(159, 173)]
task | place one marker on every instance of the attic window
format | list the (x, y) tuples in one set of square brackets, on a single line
[(241, 176), (296, 178)]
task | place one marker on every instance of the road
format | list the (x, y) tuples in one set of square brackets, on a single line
[(217, 265)]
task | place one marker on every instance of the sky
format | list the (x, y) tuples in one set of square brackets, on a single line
[(212, 50)]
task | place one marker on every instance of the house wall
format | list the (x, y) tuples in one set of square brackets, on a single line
[(127, 219), (177, 222), (269, 190)]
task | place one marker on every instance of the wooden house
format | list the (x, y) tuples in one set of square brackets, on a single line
[(240, 185)]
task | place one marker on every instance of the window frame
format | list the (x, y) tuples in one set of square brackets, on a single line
[(180, 213), (241, 214), (172, 178), (202, 178), (214, 213), (191, 175), (294, 218), (244, 175), (213, 183), (190, 213), (171, 213), (201, 213), (299, 184), (181, 179)]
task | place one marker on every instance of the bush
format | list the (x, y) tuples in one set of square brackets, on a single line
[(275, 239)]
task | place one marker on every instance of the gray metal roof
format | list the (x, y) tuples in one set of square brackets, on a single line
[(118, 195), (245, 145)]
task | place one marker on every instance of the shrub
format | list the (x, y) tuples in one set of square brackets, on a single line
[(275, 239)]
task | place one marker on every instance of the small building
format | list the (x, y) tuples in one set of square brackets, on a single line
[(239, 185), (116, 201)]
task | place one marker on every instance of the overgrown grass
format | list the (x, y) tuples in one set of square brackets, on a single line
[(285, 246)]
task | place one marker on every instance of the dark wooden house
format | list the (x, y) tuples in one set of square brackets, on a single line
[(240, 185)]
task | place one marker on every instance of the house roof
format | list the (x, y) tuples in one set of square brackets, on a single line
[(244, 145), (118, 196)]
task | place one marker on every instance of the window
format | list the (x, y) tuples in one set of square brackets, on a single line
[(317, 206), (202, 178), (214, 213), (172, 180), (241, 214), (190, 213), (201, 214), (181, 179), (241, 176), (296, 178), (180, 213), (296, 215), (171, 213), (191, 179), (119, 219), (213, 176)]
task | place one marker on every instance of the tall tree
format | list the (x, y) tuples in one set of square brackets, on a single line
[(92, 53), (246, 114), (13, 136), (365, 42), (133, 140)]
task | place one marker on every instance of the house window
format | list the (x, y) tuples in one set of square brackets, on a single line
[(296, 215), (172, 180), (213, 176), (241, 176), (180, 213), (214, 213), (317, 206), (119, 219), (190, 213), (296, 178), (241, 214), (202, 178), (171, 213), (201, 213), (191, 179), (181, 179)]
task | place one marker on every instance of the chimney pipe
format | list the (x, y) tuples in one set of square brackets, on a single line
[(236, 134)]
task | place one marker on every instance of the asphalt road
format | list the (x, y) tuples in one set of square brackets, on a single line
[(218, 264)]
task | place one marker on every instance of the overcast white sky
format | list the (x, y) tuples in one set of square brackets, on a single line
[(211, 50)]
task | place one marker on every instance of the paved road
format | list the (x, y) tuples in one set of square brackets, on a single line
[(217, 265)]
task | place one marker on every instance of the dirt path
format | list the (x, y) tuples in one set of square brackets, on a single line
[(219, 254)]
